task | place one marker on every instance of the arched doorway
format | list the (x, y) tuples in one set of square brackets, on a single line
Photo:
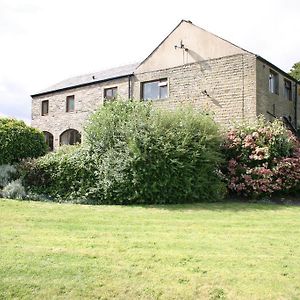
[(70, 137), (49, 140)]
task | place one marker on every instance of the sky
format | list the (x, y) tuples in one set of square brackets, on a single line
[(44, 42)]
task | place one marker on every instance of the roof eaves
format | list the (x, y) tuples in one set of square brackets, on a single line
[(277, 68), (79, 85)]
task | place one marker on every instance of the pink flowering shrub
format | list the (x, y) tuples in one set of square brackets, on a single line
[(263, 158)]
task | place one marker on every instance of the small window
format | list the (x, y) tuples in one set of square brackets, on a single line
[(154, 90), (273, 82), (287, 89), (110, 93), (70, 104), (45, 107)]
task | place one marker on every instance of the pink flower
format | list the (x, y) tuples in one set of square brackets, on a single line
[(260, 153), (232, 163), (247, 178), (248, 142), (231, 135)]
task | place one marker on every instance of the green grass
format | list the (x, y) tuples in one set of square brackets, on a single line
[(204, 251)]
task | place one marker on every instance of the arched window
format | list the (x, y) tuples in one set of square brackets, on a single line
[(70, 137), (48, 139)]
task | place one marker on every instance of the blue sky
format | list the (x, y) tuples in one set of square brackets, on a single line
[(43, 42)]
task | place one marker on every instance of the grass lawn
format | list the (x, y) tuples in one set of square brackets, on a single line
[(202, 251)]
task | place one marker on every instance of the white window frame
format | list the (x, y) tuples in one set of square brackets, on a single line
[(161, 83)]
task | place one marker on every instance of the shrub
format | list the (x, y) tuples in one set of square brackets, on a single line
[(66, 173), (14, 190), (7, 173), (18, 141), (134, 154), (262, 159), (151, 156)]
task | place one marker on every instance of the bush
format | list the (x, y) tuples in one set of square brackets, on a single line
[(263, 158), (67, 173), (18, 141), (7, 174), (134, 154), (14, 190), (153, 156)]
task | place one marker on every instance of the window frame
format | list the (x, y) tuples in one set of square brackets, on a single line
[(42, 108), (274, 76), (71, 135), (160, 84), (68, 98), (108, 89), (49, 140), (288, 92)]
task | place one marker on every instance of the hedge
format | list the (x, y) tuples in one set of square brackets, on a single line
[(19, 141), (136, 154)]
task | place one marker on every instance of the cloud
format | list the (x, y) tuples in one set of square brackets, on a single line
[(14, 14), (43, 42), (14, 101)]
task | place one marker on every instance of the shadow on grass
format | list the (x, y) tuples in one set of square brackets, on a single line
[(230, 205)]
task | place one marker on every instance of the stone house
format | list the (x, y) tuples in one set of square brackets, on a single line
[(190, 66)]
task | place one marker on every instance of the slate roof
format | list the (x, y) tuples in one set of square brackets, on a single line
[(90, 78)]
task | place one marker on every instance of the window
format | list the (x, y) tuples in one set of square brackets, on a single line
[(70, 137), (70, 104), (287, 89), (273, 82), (49, 140), (154, 90), (45, 107), (110, 93)]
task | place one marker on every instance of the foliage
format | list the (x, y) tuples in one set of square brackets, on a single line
[(263, 158), (148, 155), (135, 154), (14, 190), (295, 71), (66, 173), (7, 173), (18, 141)]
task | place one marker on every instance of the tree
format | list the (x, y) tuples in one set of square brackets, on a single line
[(18, 141), (295, 71)]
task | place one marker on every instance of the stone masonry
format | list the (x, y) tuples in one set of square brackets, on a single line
[(275, 105), (224, 86), (232, 88), (201, 70), (87, 100)]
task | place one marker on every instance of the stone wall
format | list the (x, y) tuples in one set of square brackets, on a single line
[(229, 82), (87, 100), (232, 88), (268, 103)]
